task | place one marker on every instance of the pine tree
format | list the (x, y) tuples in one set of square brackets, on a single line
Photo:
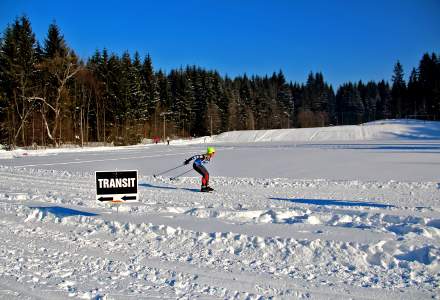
[(138, 94), (221, 100), (429, 79), (316, 98), (8, 85), (199, 106), (185, 110), (436, 89), (332, 116), (285, 99), (414, 94), (124, 99), (54, 44), (398, 92), (297, 92), (371, 99), (59, 67), (231, 112), (18, 60), (164, 89), (150, 87), (349, 104), (246, 103), (383, 106)]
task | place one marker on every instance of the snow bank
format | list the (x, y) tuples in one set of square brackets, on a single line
[(54, 151), (378, 130)]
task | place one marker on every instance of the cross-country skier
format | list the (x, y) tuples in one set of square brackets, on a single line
[(199, 161)]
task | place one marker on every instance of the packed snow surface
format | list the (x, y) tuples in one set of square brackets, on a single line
[(290, 219)]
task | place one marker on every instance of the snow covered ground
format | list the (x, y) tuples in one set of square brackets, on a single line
[(293, 217), (377, 130)]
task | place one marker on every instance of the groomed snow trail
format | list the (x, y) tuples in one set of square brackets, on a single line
[(251, 239)]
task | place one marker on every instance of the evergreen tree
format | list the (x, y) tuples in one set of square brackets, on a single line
[(125, 88), (285, 99), (436, 88), (185, 110), (383, 106), (398, 92), (245, 104), (59, 67), (316, 98), (414, 94), (137, 91), (332, 115), (18, 61), (164, 96), (199, 106), (150, 87), (297, 92), (429, 80), (371, 99), (231, 111), (349, 104), (164, 89), (54, 44)]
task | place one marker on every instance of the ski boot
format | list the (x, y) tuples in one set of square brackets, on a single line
[(206, 189)]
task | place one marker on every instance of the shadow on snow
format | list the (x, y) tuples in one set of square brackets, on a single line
[(62, 212), (415, 147), (164, 187), (334, 202)]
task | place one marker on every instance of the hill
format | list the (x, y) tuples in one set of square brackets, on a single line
[(378, 130)]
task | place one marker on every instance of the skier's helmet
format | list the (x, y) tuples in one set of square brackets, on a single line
[(210, 151)]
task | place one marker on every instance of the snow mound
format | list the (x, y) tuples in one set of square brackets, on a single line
[(389, 130), (377, 130), (18, 153)]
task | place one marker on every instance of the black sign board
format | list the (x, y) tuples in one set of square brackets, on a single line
[(116, 186)]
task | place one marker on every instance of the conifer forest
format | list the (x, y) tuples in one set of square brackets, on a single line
[(49, 96)]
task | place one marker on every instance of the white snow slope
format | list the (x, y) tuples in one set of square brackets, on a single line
[(288, 220), (378, 130)]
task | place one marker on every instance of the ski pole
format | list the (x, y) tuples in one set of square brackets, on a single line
[(154, 175), (175, 177)]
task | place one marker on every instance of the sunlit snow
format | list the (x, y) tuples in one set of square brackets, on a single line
[(339, 212)]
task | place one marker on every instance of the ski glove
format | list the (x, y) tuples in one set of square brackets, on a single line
[(186, 161)]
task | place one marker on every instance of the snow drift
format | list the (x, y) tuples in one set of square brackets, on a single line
[(378, 130)]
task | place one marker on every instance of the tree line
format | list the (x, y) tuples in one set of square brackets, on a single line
[(50, 96)]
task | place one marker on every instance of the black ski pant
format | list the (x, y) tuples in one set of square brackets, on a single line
[(202, 171)]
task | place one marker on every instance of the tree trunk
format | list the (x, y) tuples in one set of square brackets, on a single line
[(98, 136), (81, 126)]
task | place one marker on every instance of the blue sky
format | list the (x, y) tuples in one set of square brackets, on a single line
[(346, 40)]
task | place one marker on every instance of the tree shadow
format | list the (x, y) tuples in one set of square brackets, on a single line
[(62, 212), (164, 187), (406, 147), (334, 202), (429, 131)]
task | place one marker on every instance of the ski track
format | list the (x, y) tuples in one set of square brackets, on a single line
[(251, 239)]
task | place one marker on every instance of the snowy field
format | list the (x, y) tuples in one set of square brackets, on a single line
[(350, 212)]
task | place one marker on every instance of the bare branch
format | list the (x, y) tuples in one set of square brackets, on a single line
[(42, 100), (47, 125)]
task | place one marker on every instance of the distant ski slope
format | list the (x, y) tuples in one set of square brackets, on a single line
[(383, 130), (378, 130)]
